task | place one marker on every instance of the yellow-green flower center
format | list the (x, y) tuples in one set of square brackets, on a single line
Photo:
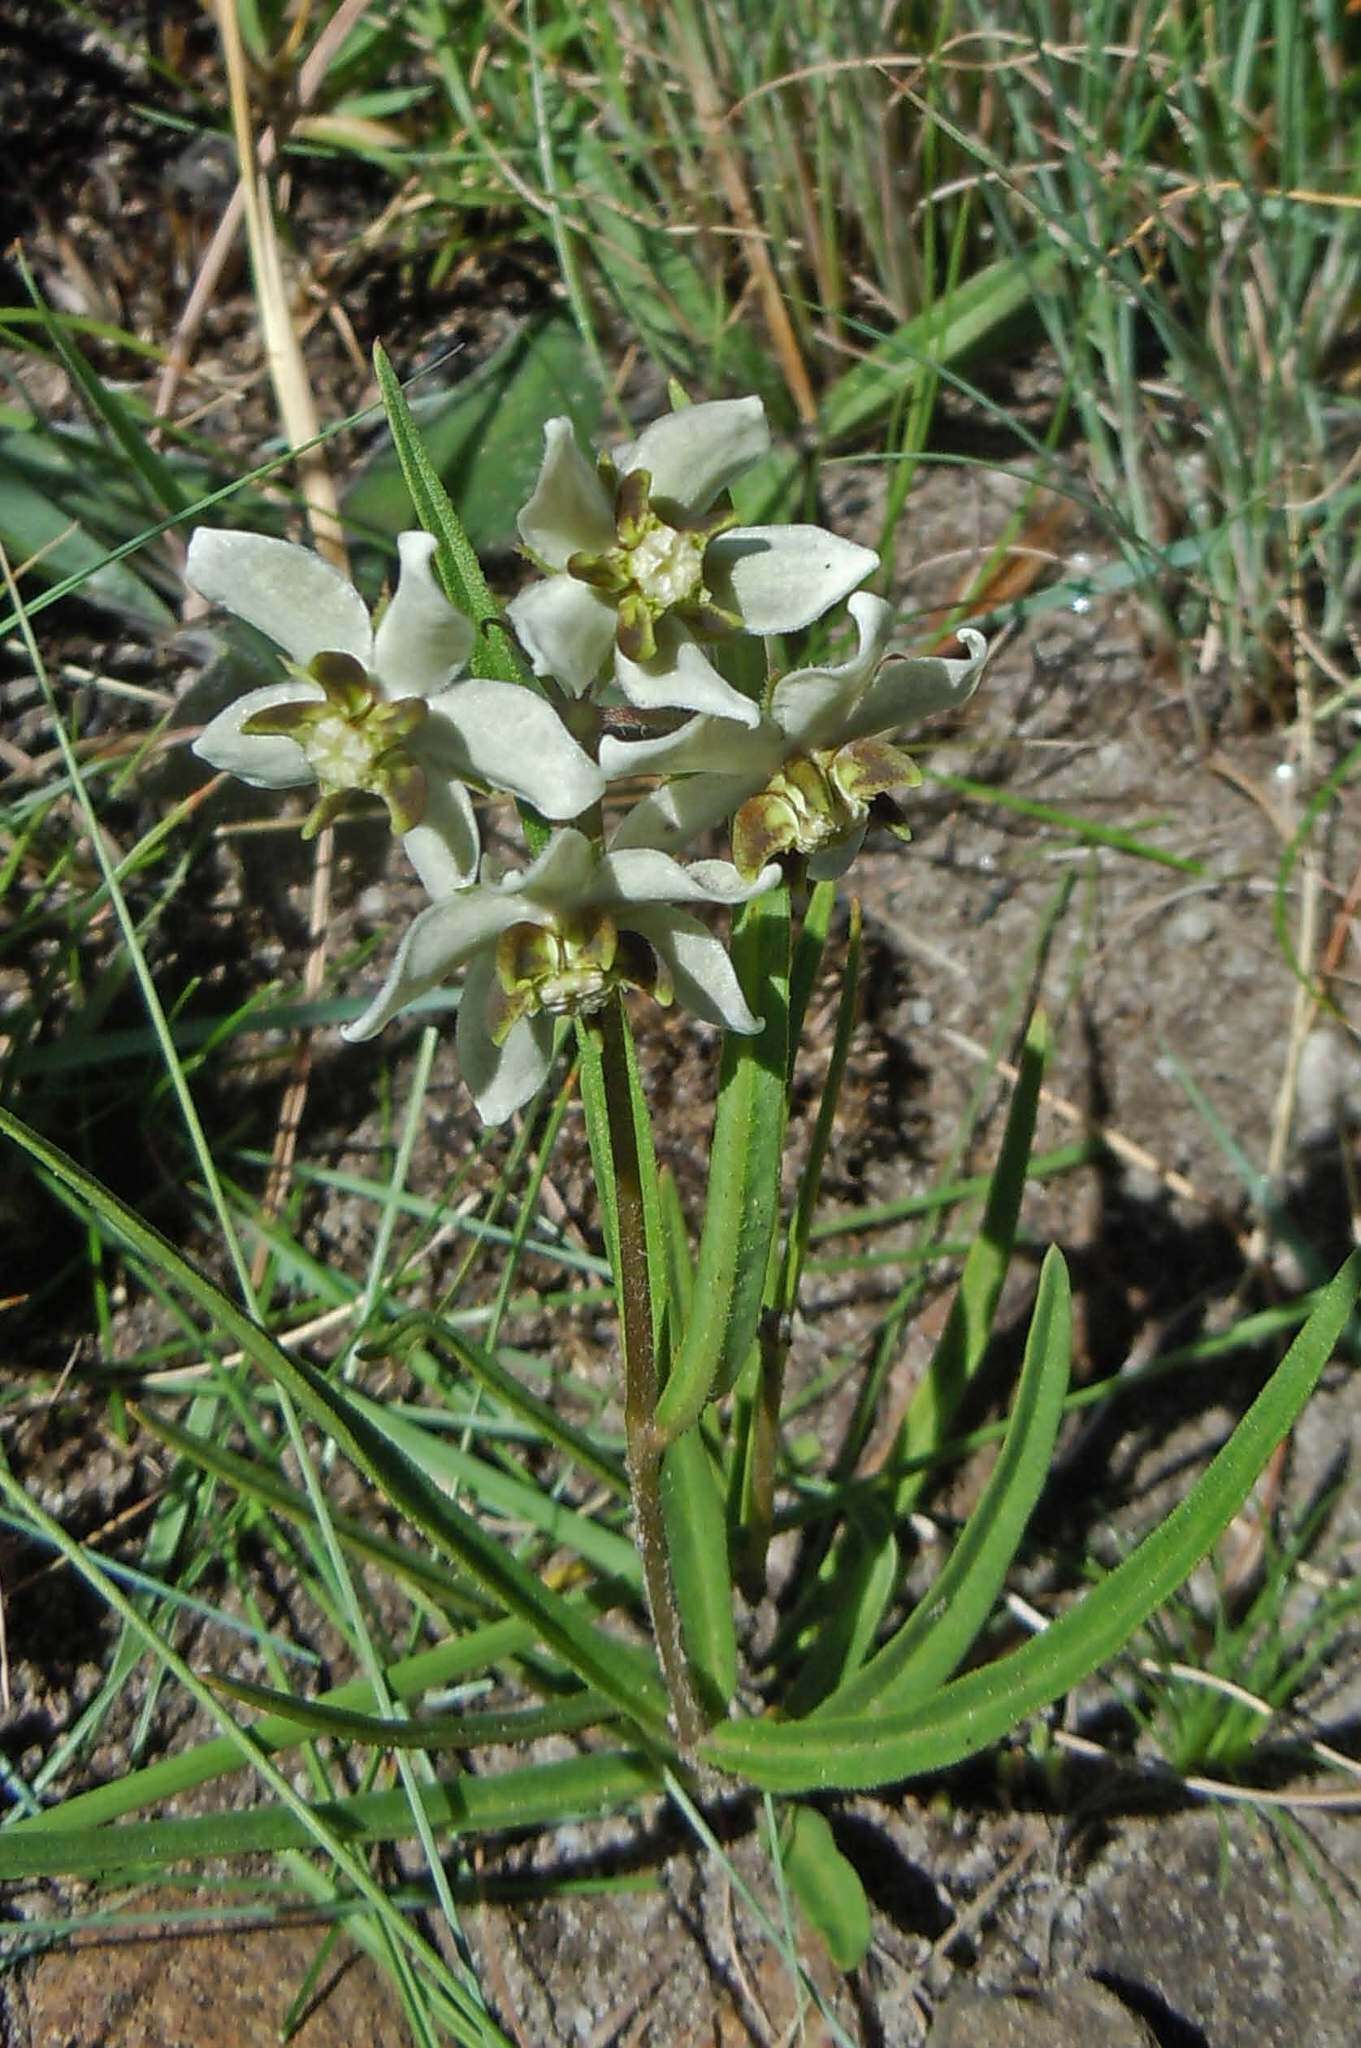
[(354, 740), (654, 568), (568, 968), (817, 800)]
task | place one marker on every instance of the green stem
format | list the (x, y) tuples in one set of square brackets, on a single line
[(644, 1442)]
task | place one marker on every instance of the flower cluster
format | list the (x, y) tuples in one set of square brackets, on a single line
[(646, 578)]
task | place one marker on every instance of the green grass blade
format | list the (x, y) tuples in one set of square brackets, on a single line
[(936, 1637), (511, 1392), (452, 1532), (985, 1705)]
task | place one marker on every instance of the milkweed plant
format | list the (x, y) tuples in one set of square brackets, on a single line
[(693, 778)]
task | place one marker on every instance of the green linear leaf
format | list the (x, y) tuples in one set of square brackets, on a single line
[(697, 1543), (470, 1730), (537, 1796), (964, 1339), (936, 1637), (827, 1886), (981, 1708)]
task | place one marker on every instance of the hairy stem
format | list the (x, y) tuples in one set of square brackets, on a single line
[(644, 1444)]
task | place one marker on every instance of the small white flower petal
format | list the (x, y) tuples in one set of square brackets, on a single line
[(567, 630), (812, 705), (908, 689), (568, 511), (681, 678), (265, 760), (705, 979), (702, 745), (780, 578), (694, 454), (436, 945), (640, 874), (510, 738), (562, 877), (670, 817), (444, 847), (502, 1078), (288, 592), (422, 640)]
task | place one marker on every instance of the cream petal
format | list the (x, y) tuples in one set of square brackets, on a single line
[(436, 944), (444, 847), (265, 760), (562, 876), (681, 678), (568, 511), (780, 578), (287, 592), (422, 640), (567, 630), (510, 738), (702, 745), (640, 874), (694, 454), (812, 705), (502, 1078), (705, 979), (671, 817), (908, 689)]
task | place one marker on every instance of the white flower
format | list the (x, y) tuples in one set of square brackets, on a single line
[(644, 569), (380, 711), (560, 938), (799, 781)]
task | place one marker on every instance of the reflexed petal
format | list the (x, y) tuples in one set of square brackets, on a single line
[(562, 877), (568, 512), (705, 980), (672, 816), (567, 630), (507, 736), (681, 678), (781, 578), (422, 640), (716, 745), (813, 705), (444, 847), (437, 943), (907, 690), (288, 592), (694, 454), (502, 1078), (266, 760), (640, 874)]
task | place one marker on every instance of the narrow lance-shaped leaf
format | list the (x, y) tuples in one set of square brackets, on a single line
[(980, 1708), (936, 1637), (964, 1339)]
